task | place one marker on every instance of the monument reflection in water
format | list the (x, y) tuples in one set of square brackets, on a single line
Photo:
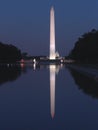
[(52, 88), (53, 71)]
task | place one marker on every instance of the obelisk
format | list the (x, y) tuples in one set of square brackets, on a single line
[(52, 34)]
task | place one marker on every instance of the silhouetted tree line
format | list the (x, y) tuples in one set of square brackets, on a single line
[(86, 48), (9, 53)]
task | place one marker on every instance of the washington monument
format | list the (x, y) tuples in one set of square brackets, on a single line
[(52, 35)]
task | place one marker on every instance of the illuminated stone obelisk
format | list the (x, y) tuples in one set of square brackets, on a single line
[(52, 34)]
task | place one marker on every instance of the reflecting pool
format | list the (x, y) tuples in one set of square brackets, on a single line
[(47, 97)]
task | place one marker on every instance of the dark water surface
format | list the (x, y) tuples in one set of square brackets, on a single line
[(47, 98)]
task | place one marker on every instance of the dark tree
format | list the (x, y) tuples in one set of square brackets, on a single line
[(9, 53), (86, 48)]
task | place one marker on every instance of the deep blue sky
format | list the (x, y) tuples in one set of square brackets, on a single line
[(25, 23)]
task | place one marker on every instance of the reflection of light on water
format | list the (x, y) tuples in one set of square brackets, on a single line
[(52, 89), (53, 71), (34, 66), (22, 65)]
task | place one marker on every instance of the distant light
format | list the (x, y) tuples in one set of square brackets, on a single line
[(7, 65), (22, 65), (22, 61), (61, 60), (34, 60)]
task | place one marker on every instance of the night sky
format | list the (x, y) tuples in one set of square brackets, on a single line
[(25, 23)]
